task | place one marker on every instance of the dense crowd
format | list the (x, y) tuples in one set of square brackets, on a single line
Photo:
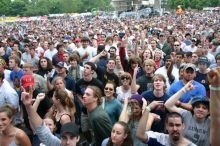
[(104, 82)]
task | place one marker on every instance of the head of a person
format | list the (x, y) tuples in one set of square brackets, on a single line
[(74, 60), (59, 83), (66, 57), (44, 64), (6, 116), (217, 58), (177, 46), (174, 126), (2, 65), (159, 82), (27, 82), (60, 47), (149, 66), (85, 42), (70, 135), (147, 54), (188, 57), (28, 68), (134, 61), (203, 63), (179, 57), (61, 96), (188, 36), (92, 96), (50, 123), (130, 53), (61, 68), (89, 69), (153, 44), (125, 79), (189, 72), (168, 61), (111, 64), (200, 106), (110, 89), (120, 134), (136, 104), (14, 61)]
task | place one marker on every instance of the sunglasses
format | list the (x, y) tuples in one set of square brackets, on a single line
[(125, 78), (110, 89), (176, 45)]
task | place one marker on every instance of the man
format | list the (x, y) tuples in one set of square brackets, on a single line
[(174, 126), (69, 131), (178, 59), (26, 56), (5, 71), (58, 57), (98, 118), (189, 73), (192, 47), (144, 82), (170, 72), (39, 82), (38, 49), (49, 53)]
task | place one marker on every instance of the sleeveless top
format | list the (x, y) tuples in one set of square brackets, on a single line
[(58, 124), (13, 142)]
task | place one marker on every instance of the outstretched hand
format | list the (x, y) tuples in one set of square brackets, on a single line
[(40, 96), (214, 77), (26, 97), (189, 86), (155, 104)]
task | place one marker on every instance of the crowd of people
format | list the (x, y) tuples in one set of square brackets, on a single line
[(104, 82)]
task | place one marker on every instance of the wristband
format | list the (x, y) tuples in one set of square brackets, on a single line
[(214, 88), (148, 108)]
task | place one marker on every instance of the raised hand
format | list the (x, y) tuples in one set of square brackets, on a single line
[(26, 97), (214, 77), (189, 86), (40, 96), (156, 104)]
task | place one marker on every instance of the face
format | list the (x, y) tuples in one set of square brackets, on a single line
[(149, 69), (43, 63), (5, 121), (176, 46), (66, 57), (73, 63), (88, 97), (68, 139), (159, 84), (175, 127), (201, 111), (118, 134), (27, 70), (85, 44), (134, 65), (87, 70), (189, 74), (147, 54), (109, 90), (202, 66), (168, 63), (111, 65), (194, 58), (136, 109), (61, 70), (125, 80), (50, 124), (157, 54), (179, 59), (153, 44), (59, 84), (12, 63), (130, 54)]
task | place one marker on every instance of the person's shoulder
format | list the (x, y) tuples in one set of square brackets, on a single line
[(20, 134), (105, 141)]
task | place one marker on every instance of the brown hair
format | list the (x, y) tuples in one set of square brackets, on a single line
[(96, 93), (160, 76), (9, 110)]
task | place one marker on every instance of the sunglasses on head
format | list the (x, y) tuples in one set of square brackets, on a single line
[(125, 78), (110, 89)]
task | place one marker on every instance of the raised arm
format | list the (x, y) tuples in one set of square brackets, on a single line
[(144, 119), (125, 115), (214, 80), (171, 102), (39, 98), (134, 86), (95, 58)]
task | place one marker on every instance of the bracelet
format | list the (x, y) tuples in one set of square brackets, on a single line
[(214, 88), (148, 108)]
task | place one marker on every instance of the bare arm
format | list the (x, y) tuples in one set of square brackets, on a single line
[(171, 102), (23, 139), (124, 116), (214, 79), (39, 98), (133, 82), (95, 58)]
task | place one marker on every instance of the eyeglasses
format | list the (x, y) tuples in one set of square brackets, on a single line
[(176, 45), (125, 78), (110, 89)]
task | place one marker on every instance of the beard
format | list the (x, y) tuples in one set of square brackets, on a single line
[(175, 137)]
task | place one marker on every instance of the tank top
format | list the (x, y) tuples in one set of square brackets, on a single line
[(13, 143), (58, 124)]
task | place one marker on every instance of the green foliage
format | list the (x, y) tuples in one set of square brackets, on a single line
[(194, 4), (44, 7)]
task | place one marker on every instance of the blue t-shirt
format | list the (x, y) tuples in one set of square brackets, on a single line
[(186, 97)]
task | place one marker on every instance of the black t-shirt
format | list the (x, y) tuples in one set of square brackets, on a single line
[(150, 97), (145, 84)]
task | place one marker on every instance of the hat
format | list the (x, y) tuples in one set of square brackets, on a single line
[(71, 128), (77, 40), (190, 65), (203, 99), (2, 62), (27, 81), (203, 59), (65, 41), (138, 98), (62, 65), (194, 39)]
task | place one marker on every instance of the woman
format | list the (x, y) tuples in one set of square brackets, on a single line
[(158, 58), (124, 90), (64, 108), (44, 67), (120, 136), (110, 104), (9, 134), (147, 54), (75, 70)]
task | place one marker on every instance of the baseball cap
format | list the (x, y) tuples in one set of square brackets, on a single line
[(190, 65), (71, 128), (62, 65), (201, 99), (203, 59), (27, 81), (138, 98)]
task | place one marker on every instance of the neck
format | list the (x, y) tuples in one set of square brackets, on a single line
[(149, 74), (91, 107), (125, 87), (178, 142), (88, 78), (199, 120), (158, 93), (16, 69), (110, 97), (203, 71)]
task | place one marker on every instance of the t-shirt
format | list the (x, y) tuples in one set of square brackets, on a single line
[(157, 126), (145, 84), (198, 133), (160, 139)]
